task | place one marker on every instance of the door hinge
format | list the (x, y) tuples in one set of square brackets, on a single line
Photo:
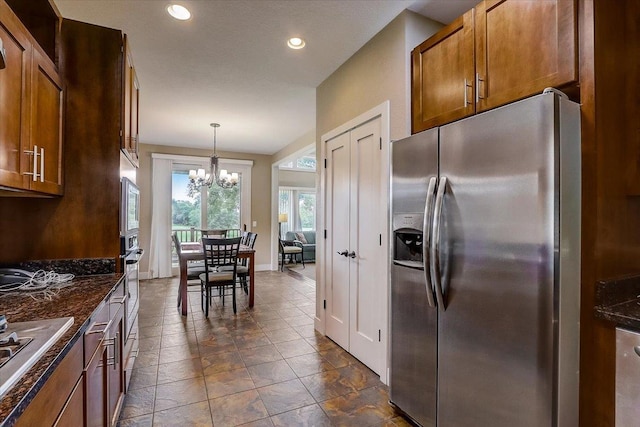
[(381, 143), (120, 133), (324, 304), (325, 233), (379, 335), (380, 239), (325, 163)]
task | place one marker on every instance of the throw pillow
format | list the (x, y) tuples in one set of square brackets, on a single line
[(300, 236)]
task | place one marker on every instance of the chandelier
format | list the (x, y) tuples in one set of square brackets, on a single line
[(198, 179)]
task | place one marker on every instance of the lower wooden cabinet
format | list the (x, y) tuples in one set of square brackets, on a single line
[(73, 410), (57, 400), (103, 371), (95, 386), (115, 370)]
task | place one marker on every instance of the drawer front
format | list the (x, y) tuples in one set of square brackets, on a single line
[(96, 331), (117, 299)]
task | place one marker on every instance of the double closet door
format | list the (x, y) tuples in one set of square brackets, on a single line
[(355, 258)]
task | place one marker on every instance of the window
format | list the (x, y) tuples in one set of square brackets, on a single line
[(300, 206), (211, 208), (306, 162)]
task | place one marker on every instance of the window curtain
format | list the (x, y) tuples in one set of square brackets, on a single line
[(160, 250), (287, 204)]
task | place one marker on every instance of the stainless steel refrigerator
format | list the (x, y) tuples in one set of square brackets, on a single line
[(485, 268)]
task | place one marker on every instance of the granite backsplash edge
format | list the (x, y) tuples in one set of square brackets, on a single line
[(77, 267)]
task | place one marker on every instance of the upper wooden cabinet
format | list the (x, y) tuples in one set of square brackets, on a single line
[(131, 98), (442, 75), (499, 52), (522, 47), (30, 112)]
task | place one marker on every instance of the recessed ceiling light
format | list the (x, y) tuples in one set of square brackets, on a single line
[(295, 43), (179, 12)]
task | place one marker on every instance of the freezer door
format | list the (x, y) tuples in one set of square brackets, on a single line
[(496, 335), (414, 160), (413, 364)]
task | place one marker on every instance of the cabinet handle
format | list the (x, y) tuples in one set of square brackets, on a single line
[(122, 300), (106, 327), (33, 152), (116, 350), (41, 164), (3, 57), (478, 80), (466, 92), (111, 342)]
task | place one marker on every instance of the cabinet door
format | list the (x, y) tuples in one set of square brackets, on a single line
[(46, 124), (73, 411), (522, 47), (135, 114), (442, 76), (129, 142), (115, 378), (14, 105), (96, 388)]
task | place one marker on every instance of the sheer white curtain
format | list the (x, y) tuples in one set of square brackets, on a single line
[(160, 245)]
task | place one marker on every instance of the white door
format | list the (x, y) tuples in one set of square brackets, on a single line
[(355, 258), (367, 278), (337, 223)]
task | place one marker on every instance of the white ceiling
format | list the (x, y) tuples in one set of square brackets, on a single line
[(230, 63)]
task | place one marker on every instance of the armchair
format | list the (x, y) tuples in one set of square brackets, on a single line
[(291, 248)]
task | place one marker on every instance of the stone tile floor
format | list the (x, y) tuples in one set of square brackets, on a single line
[(264, 366)]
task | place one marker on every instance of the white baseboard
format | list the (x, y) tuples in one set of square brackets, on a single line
[(143, 276), (263, 267)]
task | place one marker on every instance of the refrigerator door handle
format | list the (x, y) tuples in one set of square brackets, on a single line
[(435, 243), (426, 239)]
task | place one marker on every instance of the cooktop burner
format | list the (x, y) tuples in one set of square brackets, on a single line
[(23, 343), (11, 345)]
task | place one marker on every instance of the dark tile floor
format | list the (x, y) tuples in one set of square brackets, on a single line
[(264, 366)]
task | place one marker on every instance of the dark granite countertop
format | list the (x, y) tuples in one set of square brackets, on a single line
[(78, 300), (618, 301)]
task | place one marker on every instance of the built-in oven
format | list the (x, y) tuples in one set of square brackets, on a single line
[(129, 208), (130, 254)]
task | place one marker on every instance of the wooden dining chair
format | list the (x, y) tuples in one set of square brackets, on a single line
[(221, 261), (218, 233), (248, 239), (194, 269)]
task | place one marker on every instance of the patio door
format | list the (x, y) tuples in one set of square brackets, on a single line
[(355, 258)]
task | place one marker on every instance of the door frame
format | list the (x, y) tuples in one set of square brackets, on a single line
[(381, 111), (275, 187)]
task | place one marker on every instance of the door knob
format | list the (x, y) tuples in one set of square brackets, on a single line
[(343, 253), (352, 254)]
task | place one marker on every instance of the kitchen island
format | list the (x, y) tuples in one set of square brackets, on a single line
[(78, 300)]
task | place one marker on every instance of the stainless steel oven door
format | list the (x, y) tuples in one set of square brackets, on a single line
[(133, 287)]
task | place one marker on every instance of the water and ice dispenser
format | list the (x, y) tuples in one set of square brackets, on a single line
[(407, 238)]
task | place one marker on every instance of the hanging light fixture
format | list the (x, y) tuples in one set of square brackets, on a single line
[(221, 177)]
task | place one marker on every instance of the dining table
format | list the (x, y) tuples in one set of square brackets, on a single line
[(192, 251)]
